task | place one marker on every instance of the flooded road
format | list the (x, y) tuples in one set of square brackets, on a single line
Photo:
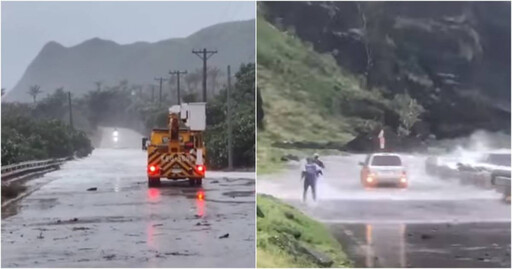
[(426, 245), (123, 223), (432, 223)]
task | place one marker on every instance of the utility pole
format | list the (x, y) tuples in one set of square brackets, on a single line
[(230, 135), (161, 79), (204, 54), (178, 73), (70, 111)]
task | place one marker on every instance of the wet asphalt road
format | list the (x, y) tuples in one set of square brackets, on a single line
[(433, 223), (126, 224)]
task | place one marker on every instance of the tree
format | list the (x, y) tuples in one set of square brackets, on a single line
[(3, 91), (34, 91), (243, 120), (213, 75), (409, 111), (54, 106), (193, 79), (123, 84)]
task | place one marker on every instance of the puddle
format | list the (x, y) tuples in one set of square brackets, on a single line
[(235, 194), (42, 204)]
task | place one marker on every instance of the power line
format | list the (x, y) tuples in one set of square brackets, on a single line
[(178, 74), (204, 55)]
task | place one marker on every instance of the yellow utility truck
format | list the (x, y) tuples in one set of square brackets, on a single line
[(178, 151)]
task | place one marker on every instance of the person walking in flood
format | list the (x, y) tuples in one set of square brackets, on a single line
[(310, 175)]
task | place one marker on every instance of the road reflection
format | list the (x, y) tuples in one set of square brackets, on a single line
[(200, 202), (385, 241), (154, 194)]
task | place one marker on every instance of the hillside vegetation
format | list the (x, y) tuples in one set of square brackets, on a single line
[(28, 135), (284, 234), (306, 96), (452, 58), (40, 130)]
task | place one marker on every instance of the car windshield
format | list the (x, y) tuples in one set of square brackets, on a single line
[(386, 161), (499, 159)]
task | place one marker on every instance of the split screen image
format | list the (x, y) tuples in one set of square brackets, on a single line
[(243, 134)]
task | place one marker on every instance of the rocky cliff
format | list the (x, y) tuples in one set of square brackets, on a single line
[(452, 57)]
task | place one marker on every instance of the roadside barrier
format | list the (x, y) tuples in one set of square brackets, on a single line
[(18, 170)]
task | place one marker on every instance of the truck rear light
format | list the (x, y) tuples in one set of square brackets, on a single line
[(153, 169), (201, 169)]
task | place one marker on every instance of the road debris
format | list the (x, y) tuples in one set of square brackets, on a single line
[(80, 228), (224, 236), (177, 253), (109, 257), (426, 236)]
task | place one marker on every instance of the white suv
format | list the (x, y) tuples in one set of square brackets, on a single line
[(383, 168)]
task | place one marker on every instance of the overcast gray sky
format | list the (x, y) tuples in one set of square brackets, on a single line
[(28, 26)]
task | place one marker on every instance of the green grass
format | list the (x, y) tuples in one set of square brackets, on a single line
[(302, 93), (278, 233)]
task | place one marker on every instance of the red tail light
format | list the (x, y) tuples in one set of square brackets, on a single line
[(153, 169), (201, 169)]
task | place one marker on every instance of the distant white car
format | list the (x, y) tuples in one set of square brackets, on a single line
[(115, 135), (383, 168)]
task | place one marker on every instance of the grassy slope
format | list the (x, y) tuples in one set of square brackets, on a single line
[(272, 253), (301, 91)]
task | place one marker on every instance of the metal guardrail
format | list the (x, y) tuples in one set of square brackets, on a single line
[(501, 181), (18, 169)]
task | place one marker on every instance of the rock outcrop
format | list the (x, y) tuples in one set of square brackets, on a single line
[(452, 57)]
